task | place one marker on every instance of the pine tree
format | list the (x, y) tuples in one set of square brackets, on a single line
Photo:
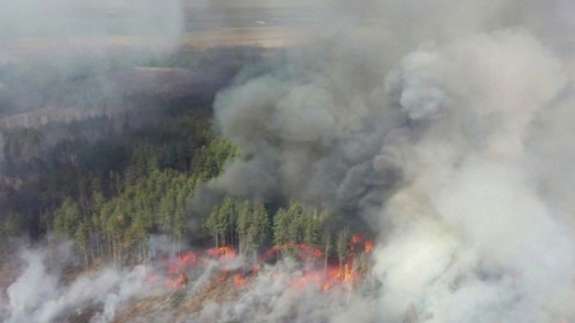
[(296, 222), (312, 233), (327, 243), (67, 218), (342, 245), (82, 239), (244, 223), (221, 223), (280, 227), (179, 223), (260, 226), (226, 223)]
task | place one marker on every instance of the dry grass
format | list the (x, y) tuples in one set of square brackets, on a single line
[(181, 304)]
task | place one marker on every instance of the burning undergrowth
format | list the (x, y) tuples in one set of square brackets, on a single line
[(215, 284), (316, 267), (438, 145), (449, 137), (219, 286)]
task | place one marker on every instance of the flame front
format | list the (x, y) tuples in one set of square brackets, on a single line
[(319, 271)]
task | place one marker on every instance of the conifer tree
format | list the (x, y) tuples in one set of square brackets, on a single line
[(67, 218), (343, 245), (280, 228)]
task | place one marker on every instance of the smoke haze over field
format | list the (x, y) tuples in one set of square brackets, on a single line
[(64, 20), (60, 52), (445, 126)]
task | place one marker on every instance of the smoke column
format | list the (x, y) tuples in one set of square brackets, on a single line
[(444, 124)]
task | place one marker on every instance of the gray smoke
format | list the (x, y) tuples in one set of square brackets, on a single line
[(2, 144), (58, 26), (62, 60), (269, 298), (40, 295), (446, 123)]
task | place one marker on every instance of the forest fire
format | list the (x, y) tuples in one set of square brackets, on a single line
[(240, 280), (319, 269), (182, 262), (224, 253)]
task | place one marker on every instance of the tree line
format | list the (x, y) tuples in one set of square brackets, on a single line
[(111, 197), (153, 200)]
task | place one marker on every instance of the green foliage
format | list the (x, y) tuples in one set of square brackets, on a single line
[(312, 228), (342, 244), (253, 226), (220, 222), (11, 225), (67, 218), (299, 225), (110, 197), (281, 226), (214, 156), (146, 199), (23, 143)]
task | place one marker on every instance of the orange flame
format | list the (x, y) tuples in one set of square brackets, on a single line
[(303, 251), (240, 280), (330, 278), (344, 274), (222, 253), (182, 262), (356, 239), (178, 282), (368, 246)]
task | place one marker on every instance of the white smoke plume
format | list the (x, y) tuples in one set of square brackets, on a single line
[(40, 295), (445, 123), (269, 298)]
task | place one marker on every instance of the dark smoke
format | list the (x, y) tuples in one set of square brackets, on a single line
[(430, 123), (446, 126)]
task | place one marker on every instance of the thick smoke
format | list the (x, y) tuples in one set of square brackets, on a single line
[(446, 124), (269, 298)]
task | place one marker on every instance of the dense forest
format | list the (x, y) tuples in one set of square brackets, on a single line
[(111, 183)]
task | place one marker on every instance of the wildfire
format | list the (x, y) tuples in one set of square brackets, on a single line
[(304, 252), (222, 253), (344, 273), (329, 278), (182, 262), (240, 280), (178, 281), (368, 246), (356, 239)]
